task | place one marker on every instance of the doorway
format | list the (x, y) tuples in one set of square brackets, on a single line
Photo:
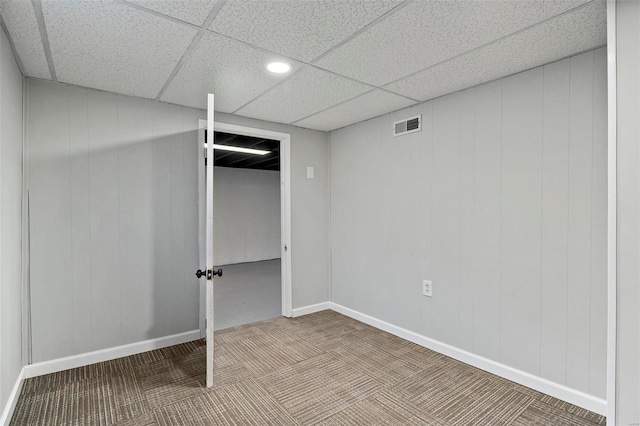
[(256, 262)]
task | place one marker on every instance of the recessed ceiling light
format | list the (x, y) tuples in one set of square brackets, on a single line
[(278, 67), (239, 149)]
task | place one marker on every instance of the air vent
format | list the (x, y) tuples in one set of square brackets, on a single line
[(410, 125)]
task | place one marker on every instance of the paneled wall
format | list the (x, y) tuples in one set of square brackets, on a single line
[(246, 217), (10, 220), (501, 201), (114, 219)]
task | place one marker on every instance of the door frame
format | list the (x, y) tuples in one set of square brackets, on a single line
[(285, 204), (612, 212)]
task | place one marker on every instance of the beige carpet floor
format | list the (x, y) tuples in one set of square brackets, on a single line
[(322, 368)]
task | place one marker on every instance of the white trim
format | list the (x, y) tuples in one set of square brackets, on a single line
[(25, 231), (209, 260), (75, 361), (285, 200), (202, 258), (329, 216), (285, 226), (310, 309), (10, 407), (612, 230), (556, 390), (250, 131)]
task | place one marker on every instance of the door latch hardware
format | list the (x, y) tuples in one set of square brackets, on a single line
[(210, 273)]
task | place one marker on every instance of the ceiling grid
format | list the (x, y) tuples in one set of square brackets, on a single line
[(37, 8), (192, 46), (591, 4), (351, 60)]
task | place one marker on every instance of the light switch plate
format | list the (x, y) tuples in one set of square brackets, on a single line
[(310, 173)]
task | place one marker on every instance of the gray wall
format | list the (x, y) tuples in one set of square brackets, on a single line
[(501, 201), (246, 219), (114, 218), (628, 63), (10, 220)]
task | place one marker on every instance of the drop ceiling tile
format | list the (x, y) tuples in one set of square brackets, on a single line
[(566, 35), (231, 70), (301, 30), (370, 105), (192, 11), (110, 46), (425, 33), (20, 19), (306, 92)]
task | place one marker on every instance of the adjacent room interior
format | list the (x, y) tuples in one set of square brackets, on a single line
[(247, 231), (319, 212)]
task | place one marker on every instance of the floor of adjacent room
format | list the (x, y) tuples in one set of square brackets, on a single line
[(323, 368), (247, 292)]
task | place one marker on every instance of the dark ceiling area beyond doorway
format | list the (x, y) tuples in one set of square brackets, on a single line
[(270, 161)]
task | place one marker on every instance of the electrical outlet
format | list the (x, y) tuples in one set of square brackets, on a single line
[(427, 288)]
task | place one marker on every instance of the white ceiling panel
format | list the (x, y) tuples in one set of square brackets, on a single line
[(20, 19), (194, 11), (565, 35), (231, 70), (110, 46), (306, 92), (425, 33), (370, 105), (301, 30)]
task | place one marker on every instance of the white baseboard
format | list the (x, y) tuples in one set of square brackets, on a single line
[(540, 384), (74, 361), (548, 387), (310, 309), (10, 406)]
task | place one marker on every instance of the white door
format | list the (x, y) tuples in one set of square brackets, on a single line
[(206, 229)]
